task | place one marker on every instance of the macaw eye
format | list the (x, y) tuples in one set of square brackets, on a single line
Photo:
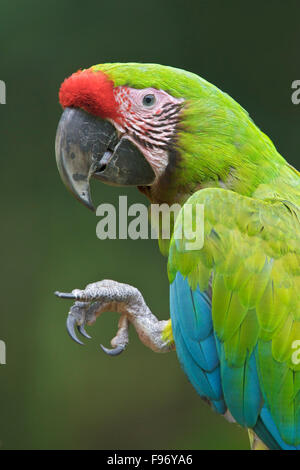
[(149, 100)]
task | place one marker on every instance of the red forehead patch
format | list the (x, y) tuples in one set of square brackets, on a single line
[(91, 91)]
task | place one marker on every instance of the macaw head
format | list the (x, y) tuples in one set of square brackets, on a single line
[(162, 129)]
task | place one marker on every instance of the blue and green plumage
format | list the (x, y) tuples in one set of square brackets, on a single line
[(251, 265)]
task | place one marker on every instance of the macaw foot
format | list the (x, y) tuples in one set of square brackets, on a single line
[(112, 296)]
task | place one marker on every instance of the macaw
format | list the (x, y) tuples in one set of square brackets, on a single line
[(235, 301)]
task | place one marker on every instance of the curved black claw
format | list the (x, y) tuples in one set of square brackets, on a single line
[(64, 295), (81, 330), (113, 352), (71, 323)]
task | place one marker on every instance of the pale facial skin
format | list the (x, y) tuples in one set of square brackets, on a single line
[(148, 118)]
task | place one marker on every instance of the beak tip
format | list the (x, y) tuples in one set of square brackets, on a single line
[(88, 203), (84, 197)]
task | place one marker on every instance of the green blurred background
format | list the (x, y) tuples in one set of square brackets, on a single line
[(54, 393)]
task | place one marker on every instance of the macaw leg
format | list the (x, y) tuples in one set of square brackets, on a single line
[(112, 296)]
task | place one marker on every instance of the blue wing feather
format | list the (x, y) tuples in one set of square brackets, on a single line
[(195, 341), (241, 390), (267, 431)]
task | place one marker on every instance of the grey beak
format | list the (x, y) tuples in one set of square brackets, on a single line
[(88, 146)]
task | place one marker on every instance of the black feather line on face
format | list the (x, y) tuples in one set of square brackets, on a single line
[(165, 188), (146, 144), (156, 125), (162, 137), (168, 107), (168, 116)]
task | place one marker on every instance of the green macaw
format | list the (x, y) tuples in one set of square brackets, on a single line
[(234, 301)]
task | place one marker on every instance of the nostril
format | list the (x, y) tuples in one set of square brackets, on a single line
[(102, 164)]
